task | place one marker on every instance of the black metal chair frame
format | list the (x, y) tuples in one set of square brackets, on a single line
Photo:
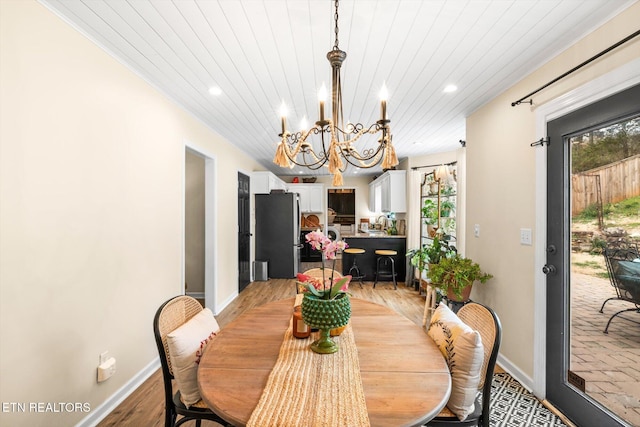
[(380, 274), (173, 403), (354, 268), (626, 290), (480, 416)]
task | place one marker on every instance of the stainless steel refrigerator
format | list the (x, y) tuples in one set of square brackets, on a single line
[(278, 233)]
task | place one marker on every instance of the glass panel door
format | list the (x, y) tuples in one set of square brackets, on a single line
[(605, 220), (593, 202)]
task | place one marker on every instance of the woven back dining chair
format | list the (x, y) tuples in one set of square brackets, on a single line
[(172, 314), (482, 319)]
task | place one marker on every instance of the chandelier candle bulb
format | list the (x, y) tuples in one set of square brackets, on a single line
[(322, 97), (283, 115), (384, 94)]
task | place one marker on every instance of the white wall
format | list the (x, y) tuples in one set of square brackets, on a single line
[(501, 188), (91, 181)]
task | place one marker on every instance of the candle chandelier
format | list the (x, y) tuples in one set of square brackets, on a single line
[(338, 148)]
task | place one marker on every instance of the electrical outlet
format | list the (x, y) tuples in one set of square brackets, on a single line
[(525, 236), (106, 369), (476, 230)]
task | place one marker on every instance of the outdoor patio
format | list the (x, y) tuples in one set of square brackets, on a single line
[(609, 363)]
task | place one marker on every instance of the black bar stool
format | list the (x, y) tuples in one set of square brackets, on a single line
[(354, 268), (385, 256)]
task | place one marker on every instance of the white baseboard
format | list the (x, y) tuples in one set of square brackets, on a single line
[(225, 303), (515, 372), (196, 295), (99, 413)]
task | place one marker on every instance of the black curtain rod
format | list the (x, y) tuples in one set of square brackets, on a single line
[(433, 166), (593, 58)]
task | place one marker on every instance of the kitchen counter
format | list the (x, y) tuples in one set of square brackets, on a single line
[(371, 235), (367, 261)]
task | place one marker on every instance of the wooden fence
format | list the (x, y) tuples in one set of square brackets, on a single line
[(618, 181)]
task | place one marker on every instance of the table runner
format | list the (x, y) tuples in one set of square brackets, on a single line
[(310, 389)]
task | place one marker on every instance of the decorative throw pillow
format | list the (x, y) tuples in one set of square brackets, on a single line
[(186, 344), (462, 348)]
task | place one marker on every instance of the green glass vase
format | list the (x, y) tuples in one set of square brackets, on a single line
[(326, 315)]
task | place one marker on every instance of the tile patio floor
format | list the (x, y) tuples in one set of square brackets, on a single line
[(609, 363)]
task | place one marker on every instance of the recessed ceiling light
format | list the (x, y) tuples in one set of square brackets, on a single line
[(450, 88), (215, 91)]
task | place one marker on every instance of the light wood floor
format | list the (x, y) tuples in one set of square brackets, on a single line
[(145, 406)]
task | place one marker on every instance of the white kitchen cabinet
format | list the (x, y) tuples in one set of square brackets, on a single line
[(375, 196), (372, 196), (311, 197), (262, 182), (388, 193)]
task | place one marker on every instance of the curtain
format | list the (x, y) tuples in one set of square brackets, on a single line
[(413, 218)]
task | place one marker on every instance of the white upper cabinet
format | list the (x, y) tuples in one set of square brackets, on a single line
[(388, 193), (372, 197), (262, 182), (311, 197)]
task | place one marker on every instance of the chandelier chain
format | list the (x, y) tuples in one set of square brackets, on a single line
[(335, 17)]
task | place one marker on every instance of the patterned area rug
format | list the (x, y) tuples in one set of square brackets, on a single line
[(513, 406)]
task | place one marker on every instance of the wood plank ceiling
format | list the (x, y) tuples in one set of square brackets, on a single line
[(261, 52)]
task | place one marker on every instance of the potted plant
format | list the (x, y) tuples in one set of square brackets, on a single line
[(426, 255), (446, 207), (419, 259), (440, 248), (430, 216), (430, 211), (326, 304), (447, 190), (456, 275), (432, 183)]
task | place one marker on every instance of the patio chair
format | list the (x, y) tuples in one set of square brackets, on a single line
[(623, 264)]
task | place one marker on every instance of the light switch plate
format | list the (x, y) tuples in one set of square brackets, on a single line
[(476, 230), (525, 236)]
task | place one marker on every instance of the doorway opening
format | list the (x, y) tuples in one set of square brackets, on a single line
[(244, 231), (199, 226)]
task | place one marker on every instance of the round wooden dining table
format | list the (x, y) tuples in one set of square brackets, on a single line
[(405, 378)]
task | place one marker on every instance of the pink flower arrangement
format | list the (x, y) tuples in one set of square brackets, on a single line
[(319, 285), (325, 288), (329, 248)]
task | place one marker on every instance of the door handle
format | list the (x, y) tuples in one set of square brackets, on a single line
[(549, 269)]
